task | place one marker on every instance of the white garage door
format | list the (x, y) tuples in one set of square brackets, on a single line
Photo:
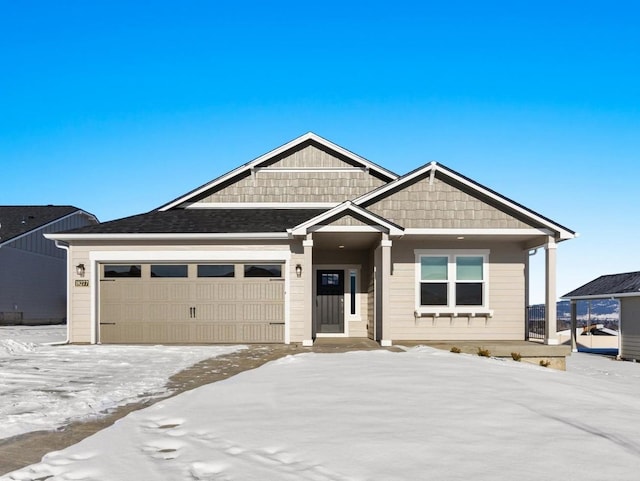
[(191, 303)]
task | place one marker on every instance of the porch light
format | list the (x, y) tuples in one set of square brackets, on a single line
[(80, 270), (298, 270)]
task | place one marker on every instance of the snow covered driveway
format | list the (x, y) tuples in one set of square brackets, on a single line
[(377, 415), (44, 386)]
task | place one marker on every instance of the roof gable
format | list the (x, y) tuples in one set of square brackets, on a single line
[(308, 154), (18, 220), (604, 286), (450, 199), (352, 216)]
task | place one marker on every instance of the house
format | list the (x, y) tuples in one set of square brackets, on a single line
[(311, 240), (32, 270), (626, 289)]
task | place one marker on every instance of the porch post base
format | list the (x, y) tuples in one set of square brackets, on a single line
[(552, 342), (307, 343), (386, 343)]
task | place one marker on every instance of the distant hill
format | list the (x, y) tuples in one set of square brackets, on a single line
[(603, 311)]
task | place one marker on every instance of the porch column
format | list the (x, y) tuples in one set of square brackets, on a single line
[(550, 334), (307, 274), (385, 276), (574, 325)]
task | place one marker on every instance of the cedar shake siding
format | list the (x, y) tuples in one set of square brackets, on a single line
[(440, 205)]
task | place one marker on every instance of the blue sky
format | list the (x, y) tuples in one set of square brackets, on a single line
[(118, 107)]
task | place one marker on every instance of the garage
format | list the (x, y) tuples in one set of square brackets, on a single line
[(191, 303)]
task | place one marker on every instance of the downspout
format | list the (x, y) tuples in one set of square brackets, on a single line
[(61, 245)]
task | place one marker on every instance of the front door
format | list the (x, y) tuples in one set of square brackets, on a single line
[(330, 301)]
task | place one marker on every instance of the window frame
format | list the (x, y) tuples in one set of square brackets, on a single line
[(452, 255)]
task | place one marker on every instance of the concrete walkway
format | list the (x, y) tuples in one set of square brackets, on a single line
[(24, 450)]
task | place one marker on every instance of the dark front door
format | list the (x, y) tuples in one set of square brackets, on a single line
[(330, 301)]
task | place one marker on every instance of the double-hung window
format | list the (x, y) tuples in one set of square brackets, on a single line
[(452, 280)]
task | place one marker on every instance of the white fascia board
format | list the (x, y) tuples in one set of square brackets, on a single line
[(263, 205), (435, 167), (283, 148), (602, 296), (487, 232), (135, 237)]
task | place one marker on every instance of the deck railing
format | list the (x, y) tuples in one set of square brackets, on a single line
[(536, 320)]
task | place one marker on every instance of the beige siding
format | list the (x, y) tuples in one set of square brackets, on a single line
[(268, 184), (630, 326), (440, 205), (347, 220), (506, 297), (307, 157)]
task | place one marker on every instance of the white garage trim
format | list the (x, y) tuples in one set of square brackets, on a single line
[(96, 257)]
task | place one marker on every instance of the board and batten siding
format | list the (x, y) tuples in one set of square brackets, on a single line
[(440, 205), (630, 327), (506, 280)]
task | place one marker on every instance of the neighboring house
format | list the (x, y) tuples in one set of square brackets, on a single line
[(311, 240), (33, 272), (626, 289)]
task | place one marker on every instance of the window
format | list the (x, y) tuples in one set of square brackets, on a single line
[(168, 270), (262, 270), (451, 279), (122, 270), (352, 292), (216, 270)]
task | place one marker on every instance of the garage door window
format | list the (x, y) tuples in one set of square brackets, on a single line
[(122, 270), (216, 270), (168, 270), (262, 270)]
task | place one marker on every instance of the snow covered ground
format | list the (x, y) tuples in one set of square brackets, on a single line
[(45, 386), (423, 414)]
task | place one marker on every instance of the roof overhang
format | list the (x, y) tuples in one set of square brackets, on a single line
[(601, 296), (309, 136), (560, 232), (166, 236)]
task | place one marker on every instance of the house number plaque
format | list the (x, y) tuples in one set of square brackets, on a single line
[(82, 283)]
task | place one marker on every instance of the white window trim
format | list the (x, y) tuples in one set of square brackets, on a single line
[(451, 309)]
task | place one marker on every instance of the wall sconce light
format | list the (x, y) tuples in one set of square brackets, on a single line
[(298, 270), (80, 270)]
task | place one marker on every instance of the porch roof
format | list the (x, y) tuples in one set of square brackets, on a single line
[(613, 285)]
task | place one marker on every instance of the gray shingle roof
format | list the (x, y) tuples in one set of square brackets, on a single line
[(16, 220), (626, 283), (204, 221)]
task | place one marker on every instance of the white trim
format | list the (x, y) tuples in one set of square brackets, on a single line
[(262, 205), (386, 243), (451, 308), (434, 166), (273, 153), (480, 232), (166, 236), (96, 257), (307, 343), (386, 343)]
